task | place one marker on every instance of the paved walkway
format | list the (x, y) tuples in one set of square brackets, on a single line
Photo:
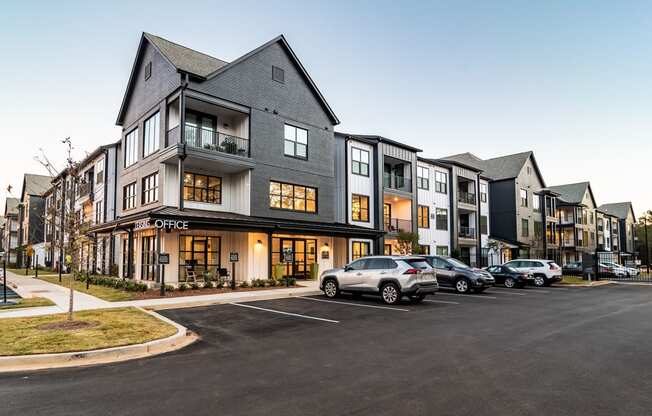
[(28, 287)]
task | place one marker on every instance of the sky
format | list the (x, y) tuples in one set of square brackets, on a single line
[(571, 81)]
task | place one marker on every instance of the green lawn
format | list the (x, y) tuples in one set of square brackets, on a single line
[(112, 328), (573, 280), (29, 303), (107, 293)]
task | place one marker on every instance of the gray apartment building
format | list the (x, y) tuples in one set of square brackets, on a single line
[(31, 233), (624, 212), (224, 161), (10, 230)]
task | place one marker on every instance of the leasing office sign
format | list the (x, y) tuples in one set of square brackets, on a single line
[(161, 223)]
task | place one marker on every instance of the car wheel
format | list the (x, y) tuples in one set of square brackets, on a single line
[(510, 282), (331, 290), (417, 298), (390, 293), (539, 280), (462, 285)]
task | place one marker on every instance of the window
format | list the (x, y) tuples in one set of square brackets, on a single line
[(148, 70), (483, 192), (442, 250), (441, 221), (202, 188), (424, 249), (129, 196), (151, 135), (99, 212), (359, 161), (278, 74), (358, 265), (99, 172), (441, 182), (150, 188), (423, 175), (524, 198), (292, 197), (538, 229), (423, 216), (360, 208), (296, 142), (525, 227), (199, 254), (536, 204), (360, 249), (380, 264), (131, 147), (483, 224)]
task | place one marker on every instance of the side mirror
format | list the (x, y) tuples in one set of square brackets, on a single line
[(347, 268), (449, 267)]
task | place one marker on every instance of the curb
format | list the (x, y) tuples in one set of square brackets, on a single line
[(200, 303), (593, 284), (181, 339)]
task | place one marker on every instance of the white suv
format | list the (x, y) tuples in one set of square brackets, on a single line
[(545, 272), (391, 277)]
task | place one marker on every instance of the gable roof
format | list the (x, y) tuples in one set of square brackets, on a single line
[(11, 206), (497, 168), (573, 193), (618, 209), (203, 66), (36, 184), (466, 159)]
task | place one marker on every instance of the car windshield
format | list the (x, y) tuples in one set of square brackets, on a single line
[(457, 263)]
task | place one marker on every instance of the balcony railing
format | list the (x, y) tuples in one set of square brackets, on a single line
[(466, 197), (395, 225), (208, 139), (466, 232), (397, 182), (85, 190)]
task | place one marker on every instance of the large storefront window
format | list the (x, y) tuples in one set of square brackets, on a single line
[(147, 258), (198, 255)]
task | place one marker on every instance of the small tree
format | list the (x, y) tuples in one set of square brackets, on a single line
[(408, 243)]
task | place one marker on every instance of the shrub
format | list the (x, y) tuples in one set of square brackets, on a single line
[(183, 287), (194, 286), (169, 288), (244, 284), (208, 284)]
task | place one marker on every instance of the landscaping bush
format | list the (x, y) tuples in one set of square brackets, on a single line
[(183, 287), (208, 284), (194, 286), (169, 288), (244, 284)]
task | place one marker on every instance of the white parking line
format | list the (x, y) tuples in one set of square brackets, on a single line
[(507, 291), (466, 295), (285, 313), (353, 304), (441, 301)]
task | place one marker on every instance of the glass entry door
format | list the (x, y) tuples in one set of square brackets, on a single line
[(304, 253)]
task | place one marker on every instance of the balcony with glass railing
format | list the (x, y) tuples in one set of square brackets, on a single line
[(397, 225), (466, 232)]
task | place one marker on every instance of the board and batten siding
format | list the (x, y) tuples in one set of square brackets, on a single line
[(361, 185), (484, 210), (429, 197)]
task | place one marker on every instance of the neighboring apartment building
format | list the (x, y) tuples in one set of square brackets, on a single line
[(577, 220), (32, 219), (607, 231), (456, 197), (624, 212), (522, 212), (381, 193), (227, 161), (11, 229)]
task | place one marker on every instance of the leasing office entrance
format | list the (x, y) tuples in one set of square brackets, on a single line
[(304, 253)]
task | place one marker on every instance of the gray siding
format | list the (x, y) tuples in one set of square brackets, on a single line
[(502, 210)]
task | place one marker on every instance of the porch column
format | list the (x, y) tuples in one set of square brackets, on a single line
[(130, 253)]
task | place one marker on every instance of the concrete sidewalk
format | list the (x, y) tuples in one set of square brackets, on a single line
[(28, 287)]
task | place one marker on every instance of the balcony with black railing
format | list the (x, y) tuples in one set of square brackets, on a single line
[(466, 197), (397, 182), (209, 139), (466, 232), (85, 190), (397, 225)]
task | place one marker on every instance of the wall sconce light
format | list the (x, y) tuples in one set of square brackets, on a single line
[(259, 243)]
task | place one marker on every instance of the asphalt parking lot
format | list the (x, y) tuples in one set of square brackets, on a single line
[(552, 351)]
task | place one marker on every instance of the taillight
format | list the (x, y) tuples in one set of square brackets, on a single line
[(412, 271)]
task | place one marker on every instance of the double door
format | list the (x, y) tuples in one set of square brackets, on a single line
[(304, 253)]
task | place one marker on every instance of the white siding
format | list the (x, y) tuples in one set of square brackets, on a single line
[(484, 210), (431, 236), (361, 185)]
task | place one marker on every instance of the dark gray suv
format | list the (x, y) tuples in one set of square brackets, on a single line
[(463, 278)]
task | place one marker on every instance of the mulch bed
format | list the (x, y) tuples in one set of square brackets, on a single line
[(67, 325), (156, 293)]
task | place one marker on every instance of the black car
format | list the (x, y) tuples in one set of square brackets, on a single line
[(573, 269), (509, 276), (463, 278)]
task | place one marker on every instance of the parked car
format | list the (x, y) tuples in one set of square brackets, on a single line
[(545, 272), (608, 269), (510, 277), (463, 278), (623, 271), (575, 268), (390, 277)]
